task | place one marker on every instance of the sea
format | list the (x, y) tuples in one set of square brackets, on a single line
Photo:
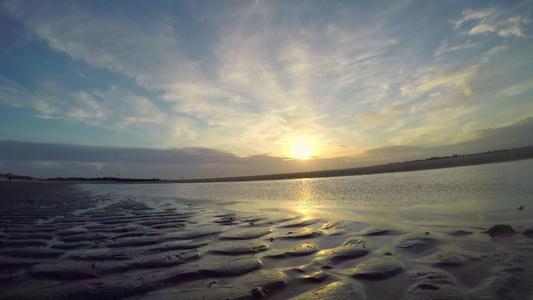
[(480, 194)]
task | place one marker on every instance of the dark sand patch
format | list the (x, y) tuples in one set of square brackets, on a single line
[(276, 220), (245, 234), (36, 253), (301, 223), (460, 232), (382, 229), (433, 284), (452, 256), (418, 242), (239, 249), (499, 230)]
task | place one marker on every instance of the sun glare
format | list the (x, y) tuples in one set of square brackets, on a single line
[(302, 150)]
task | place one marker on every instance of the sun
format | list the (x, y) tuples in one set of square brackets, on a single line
[(302, 150)]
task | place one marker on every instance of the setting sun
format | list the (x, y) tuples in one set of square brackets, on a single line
[(302, 150)]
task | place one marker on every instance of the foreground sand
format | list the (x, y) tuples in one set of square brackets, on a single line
[(60, 243)]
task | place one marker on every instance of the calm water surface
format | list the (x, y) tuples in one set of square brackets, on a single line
[(491, 192)]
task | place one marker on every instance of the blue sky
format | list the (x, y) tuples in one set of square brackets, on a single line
[(265, 83)]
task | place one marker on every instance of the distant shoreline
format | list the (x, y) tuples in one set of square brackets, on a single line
[(417, 165)]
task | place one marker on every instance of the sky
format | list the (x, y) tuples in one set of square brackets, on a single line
[(192, 89)]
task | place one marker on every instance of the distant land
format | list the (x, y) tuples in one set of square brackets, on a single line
[(414, 165)]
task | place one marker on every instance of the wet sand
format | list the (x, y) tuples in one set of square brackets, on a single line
[(58, 242)]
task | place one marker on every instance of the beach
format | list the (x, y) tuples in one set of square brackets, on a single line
[(59, 241), (280, 150)]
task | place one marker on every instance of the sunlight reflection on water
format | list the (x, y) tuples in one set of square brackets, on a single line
[(477, 190)]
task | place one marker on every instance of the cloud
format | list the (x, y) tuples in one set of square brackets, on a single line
[(469, 14), (518, 89), (481, 28), (512, 26), (517, 135), (449, 79), (260, 81), (12, 93), (106, 42), (14, 150), (110, 108), (69, 160), (436, 119), (397, 152), (376, 118), (281, 80), (493, 51), (444, 48), (253, 77), (491, 21)]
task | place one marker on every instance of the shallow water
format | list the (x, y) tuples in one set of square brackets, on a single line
[(482, 193), (418, 235)]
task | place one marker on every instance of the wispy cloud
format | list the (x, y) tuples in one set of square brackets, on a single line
[(469, 14), (272, 82), (491, 21), (253, 78), (512, 26), (519, 89), (444, 48), (505, 137), (450, 79), (493, 51), (112, 108), (381, 116)]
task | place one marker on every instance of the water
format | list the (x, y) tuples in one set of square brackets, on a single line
[(491, 192)]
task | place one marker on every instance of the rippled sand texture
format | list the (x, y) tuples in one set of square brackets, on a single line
[(59, 243)]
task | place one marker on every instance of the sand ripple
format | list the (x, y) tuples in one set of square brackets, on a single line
[(337, 290), (351, 248), (60, 243), (376, 268)]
